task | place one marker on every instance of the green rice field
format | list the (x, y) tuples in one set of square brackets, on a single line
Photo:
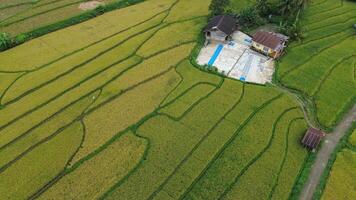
[(341, 182), (323, 65), (115, 109), (21, 16)]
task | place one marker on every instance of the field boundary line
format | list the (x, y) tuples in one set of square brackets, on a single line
[(181, 79), (307, 41), (9, 86), (330, 71), (259, 155), (40, 13), (78, 84), (194, 104), (338, 23), (230, 140), (315, 54), (334, 16), (94, 43), (14, 5), (27, 10), (67, 170), (327, 9), (81, 65), (71, 103), (158, 26), (286, 150), (319, 3), (184, 92), (197, 145), (49, 137), (99, 149)]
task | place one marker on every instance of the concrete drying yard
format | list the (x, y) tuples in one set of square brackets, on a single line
[(237, 60)]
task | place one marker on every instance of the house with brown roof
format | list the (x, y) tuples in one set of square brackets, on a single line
[(220, 28), (269, 43), (312, 138)]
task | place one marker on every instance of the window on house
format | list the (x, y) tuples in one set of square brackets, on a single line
[(208, 33), (265, 49)]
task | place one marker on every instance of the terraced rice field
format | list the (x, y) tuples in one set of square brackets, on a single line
[(341, 181), (323, 66), (21, 16), (123, 114)]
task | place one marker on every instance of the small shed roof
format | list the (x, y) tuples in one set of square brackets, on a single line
[(312, 138), (269, 39), (224, 23)]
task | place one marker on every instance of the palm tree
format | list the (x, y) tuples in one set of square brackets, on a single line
[(287, 7), (302, 4)]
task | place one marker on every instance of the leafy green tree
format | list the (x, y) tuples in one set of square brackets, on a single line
[(287, 7), (263, 7), (250, 17), (217, 7)]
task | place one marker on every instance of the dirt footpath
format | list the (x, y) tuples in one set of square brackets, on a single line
[(323, 155)]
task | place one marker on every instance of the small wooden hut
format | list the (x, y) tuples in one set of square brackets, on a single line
[(312, 138)]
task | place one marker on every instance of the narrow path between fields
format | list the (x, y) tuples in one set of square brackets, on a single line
[(323, 155), (308, 118)]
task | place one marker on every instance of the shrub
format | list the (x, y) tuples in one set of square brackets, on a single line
[(21, 38), (5, 41), (217, 7)]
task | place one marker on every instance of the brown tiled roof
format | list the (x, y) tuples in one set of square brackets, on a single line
[(312, 138), (269, 39), (224, 23)]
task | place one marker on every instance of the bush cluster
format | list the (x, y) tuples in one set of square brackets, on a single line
[(5, 41), (217, 7), (284, 13)]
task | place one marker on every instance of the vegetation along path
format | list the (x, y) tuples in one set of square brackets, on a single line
[(324, 154)]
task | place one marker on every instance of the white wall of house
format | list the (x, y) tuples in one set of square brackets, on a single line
[(216, 35)]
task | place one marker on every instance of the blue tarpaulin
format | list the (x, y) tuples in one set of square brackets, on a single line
[(215, 55)]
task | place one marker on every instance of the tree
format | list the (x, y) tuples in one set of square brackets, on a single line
[(287, 7), (249, 17), (263, 7), (217, 7)]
